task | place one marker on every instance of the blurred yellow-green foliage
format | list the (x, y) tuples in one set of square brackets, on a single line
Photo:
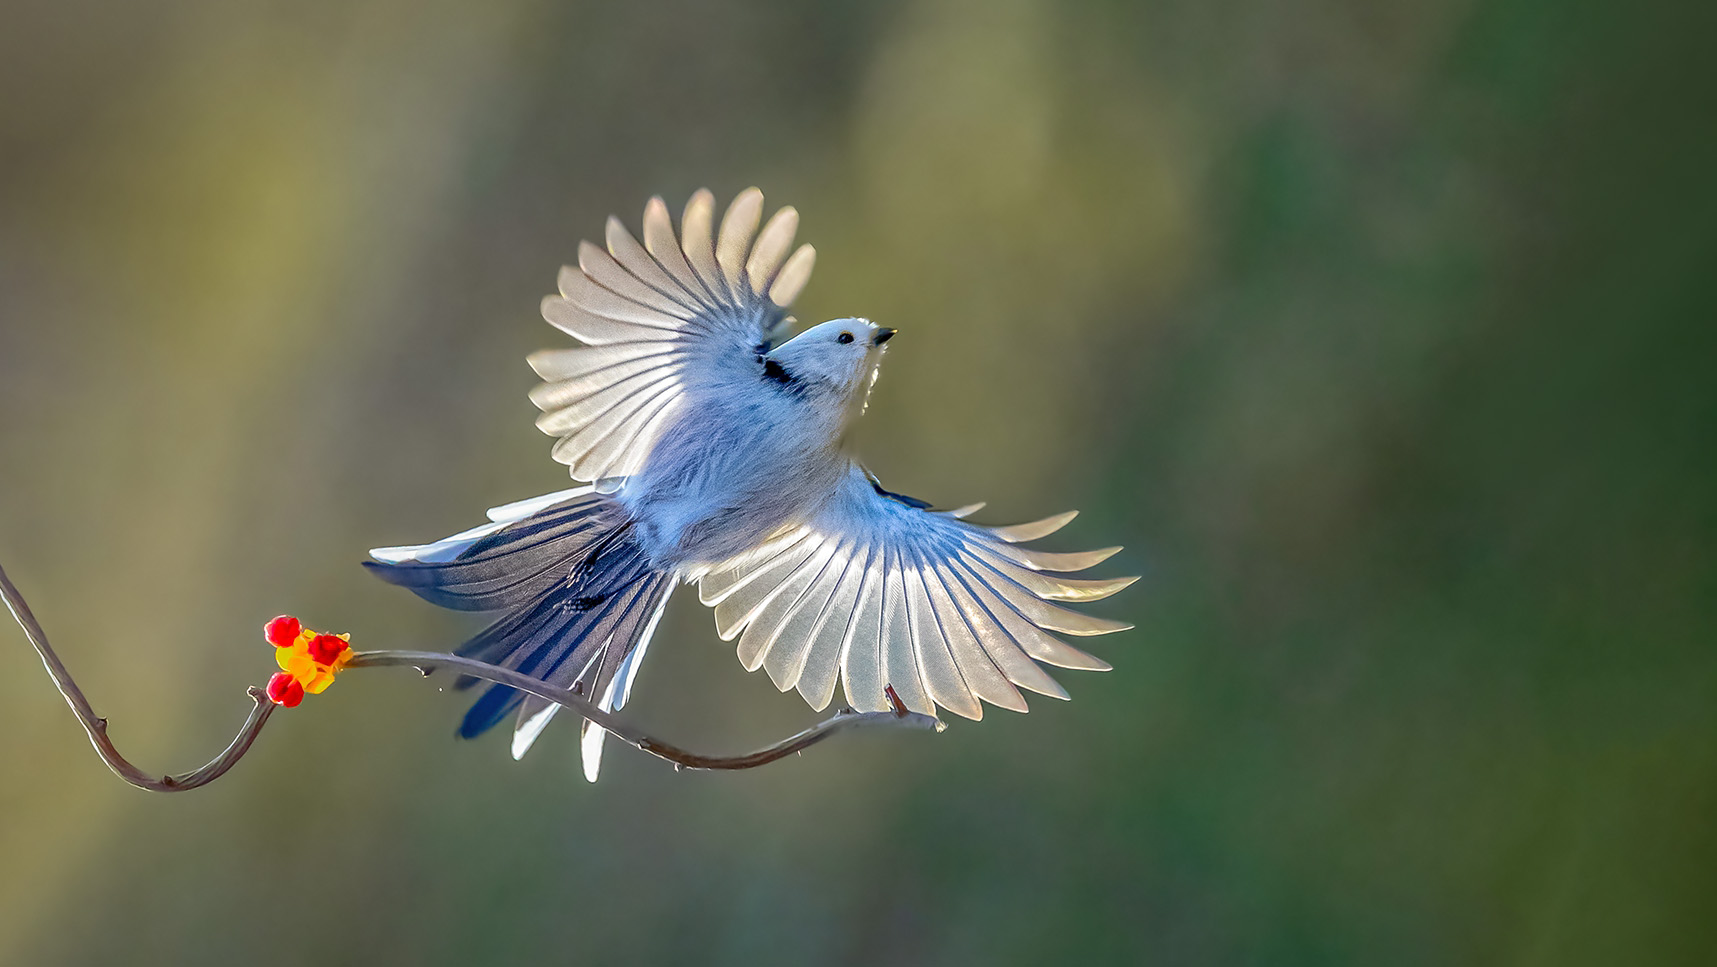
[(1381, 334)]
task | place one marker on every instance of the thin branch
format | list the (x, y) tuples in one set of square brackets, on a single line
[(96, 726), (842, 719)]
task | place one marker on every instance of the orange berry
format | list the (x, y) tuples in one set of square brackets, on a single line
[(282, 631)]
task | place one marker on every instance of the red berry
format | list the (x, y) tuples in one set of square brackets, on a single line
[(282, 631), (283, 689), (326, 648)]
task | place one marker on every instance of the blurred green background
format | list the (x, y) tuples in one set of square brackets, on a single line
[(1381, 334)]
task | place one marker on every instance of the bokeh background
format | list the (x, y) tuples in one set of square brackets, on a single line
[(1381, 334)]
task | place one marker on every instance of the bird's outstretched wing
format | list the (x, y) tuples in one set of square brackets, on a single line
[(662, 321), (880, 592)]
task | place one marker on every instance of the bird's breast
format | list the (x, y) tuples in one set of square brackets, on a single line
[(719, 485)]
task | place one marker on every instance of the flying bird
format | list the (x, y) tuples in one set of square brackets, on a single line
[(711, 449)]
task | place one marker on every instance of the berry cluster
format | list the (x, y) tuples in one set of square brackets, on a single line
[(308, 660)]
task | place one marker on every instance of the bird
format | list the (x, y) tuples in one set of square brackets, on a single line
[(710, 446)]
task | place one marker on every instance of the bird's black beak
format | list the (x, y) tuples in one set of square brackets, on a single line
[(882, 336)]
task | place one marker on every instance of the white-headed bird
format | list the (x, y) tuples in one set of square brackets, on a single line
[(713, 452)]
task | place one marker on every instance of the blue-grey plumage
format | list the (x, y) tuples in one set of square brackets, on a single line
[(715, 455)]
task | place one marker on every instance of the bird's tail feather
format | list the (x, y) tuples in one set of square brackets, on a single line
[(579, 598)]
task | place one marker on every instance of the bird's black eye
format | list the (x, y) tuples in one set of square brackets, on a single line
[(844, 338)]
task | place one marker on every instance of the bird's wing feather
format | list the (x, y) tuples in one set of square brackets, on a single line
[(664, 321), (876, 592)]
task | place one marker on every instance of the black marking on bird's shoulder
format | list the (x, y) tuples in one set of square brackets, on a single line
[(775, 372), (913, 502), (586, 603)]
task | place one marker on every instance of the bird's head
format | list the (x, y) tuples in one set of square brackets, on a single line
[(836, 360)]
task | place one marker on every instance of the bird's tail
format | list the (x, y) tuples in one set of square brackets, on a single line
[(579, 602)]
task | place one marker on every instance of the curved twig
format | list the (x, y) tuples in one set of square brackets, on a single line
[(96, 726)]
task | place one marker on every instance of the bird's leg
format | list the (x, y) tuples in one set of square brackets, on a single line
[(900, 710)]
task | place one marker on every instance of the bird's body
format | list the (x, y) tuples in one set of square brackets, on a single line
[(715, 455), (732, 473)]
